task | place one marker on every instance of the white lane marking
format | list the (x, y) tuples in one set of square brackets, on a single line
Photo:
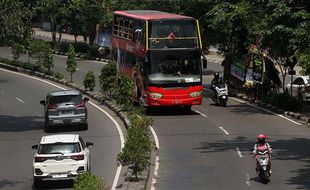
[(156, 166), (279, 115), (247, 180), (226, 132), (155, 137), (203, 115), (20, 100), (239, 152), (154, 181), (118, 171)]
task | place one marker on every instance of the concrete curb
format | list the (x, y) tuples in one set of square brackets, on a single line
[(127, 184), (297, 116), (82, 56)]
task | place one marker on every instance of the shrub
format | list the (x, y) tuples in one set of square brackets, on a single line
[(59, 75), (138, 145), (63, 46), (284, 101), (81, 47), (89, 81), (108, 78), (87, 181), (125, 92)]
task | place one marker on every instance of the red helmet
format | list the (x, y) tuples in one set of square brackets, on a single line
[(261, 138)]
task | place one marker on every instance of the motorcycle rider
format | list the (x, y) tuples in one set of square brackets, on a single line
[(262, 145), (215, 82)]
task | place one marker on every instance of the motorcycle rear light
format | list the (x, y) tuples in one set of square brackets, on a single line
[(77, 157), (51, 106), (38, 172), (39, 159)]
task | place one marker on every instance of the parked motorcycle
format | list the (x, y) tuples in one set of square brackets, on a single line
[(220, 94), (263, 170)]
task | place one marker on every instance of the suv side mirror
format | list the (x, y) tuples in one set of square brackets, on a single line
[(89, 144), (86, 99), (42, 102), (35, 146)]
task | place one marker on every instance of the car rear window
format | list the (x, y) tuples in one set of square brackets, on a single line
[(59, 148), (75, 99)]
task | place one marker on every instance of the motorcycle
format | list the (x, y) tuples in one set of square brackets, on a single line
[(220, 94), (263, 170)]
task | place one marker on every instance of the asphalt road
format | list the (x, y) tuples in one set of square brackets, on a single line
[(210, 147), (21, 126), (212, 150)]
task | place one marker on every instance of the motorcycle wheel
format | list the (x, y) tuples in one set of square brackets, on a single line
[(265, 177)]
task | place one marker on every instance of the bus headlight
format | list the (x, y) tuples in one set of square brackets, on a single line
[(155, 95), (195, 94)]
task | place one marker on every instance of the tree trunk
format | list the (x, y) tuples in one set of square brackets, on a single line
[(71, 73)]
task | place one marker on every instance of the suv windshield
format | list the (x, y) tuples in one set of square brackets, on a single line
[(59, 148), (74, 99)]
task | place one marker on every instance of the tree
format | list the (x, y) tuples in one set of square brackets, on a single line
[(15, 22), (108, 78), (89, 81), (53, 10), (71, 61), (17, 50), (38, 50), (279, 29), (125, 92), (48, 59), (92, 11), (138, 145), (304, 60)]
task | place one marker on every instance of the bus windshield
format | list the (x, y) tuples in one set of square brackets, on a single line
[(173, 34), (173, 70)]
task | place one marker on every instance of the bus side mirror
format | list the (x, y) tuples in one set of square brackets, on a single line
[(204, 63)]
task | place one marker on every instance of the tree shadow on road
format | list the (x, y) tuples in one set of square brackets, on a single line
[(293, 149), (18, 124)]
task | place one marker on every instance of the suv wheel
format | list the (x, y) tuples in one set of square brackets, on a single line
[(85, 126)]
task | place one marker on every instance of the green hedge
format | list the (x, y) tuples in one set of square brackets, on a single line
[(283, 101)]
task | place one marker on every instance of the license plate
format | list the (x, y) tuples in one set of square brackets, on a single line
[(66, 112), (176, 102), (59, 175)]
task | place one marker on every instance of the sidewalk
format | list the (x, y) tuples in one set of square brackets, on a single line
[(64, 37)]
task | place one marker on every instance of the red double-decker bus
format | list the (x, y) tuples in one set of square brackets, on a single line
[(161, 53)]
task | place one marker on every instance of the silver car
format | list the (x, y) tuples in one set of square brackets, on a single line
[(65, 107)]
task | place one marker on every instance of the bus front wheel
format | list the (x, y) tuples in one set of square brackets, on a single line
[(187, 108)]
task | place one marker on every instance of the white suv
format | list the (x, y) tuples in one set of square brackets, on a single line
[(60, 157)]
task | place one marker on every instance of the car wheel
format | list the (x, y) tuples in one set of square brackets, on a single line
[(85, 126), (36, 184)]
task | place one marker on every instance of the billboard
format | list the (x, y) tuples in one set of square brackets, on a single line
[(103, 39)]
